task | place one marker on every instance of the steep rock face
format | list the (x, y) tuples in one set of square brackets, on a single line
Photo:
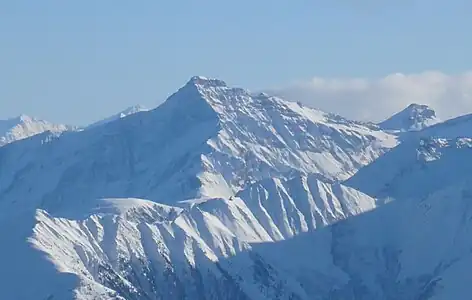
[(22, 127), (207, 139), (413, 118)]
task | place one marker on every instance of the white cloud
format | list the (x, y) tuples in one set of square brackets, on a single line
[(376, 99)]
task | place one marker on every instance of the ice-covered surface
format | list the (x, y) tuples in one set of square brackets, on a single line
[(413, 118), (22, 127)]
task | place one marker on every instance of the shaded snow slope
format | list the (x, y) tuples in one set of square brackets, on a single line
[(22, 127), (413, 118), (207, 139), (144, 250)]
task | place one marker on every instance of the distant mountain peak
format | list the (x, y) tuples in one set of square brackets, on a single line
[(24, 118), (129, 111), (132, 110), (24, 126), (413, 118), (206, 82)]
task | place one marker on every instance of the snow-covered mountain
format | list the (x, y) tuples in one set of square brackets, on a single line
[(414, 117), (222, 194), (129, 111), (206, 140), (24, 126)]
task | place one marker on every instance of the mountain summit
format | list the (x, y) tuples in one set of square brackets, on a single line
[(207, 139), (24, 126), (413, 118), (129, 111)]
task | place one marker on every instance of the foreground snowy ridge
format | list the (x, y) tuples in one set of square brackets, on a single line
[(138, 248)]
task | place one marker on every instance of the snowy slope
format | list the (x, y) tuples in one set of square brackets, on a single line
[(413, 118), (207, 139), (287, 208), (144, 250), (129, 111), (24, 126)]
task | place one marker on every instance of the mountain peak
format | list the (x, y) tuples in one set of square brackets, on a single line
[(206, 82), (132, 110), (24, 126), (129, 111), (24, 118), (413, 118)]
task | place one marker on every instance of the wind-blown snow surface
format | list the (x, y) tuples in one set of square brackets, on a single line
[(206, 140), (413, 118), (24, 126)]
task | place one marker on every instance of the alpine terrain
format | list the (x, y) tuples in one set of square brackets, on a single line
[(129, 111), (220, 193), (24, 126), (413, 118)]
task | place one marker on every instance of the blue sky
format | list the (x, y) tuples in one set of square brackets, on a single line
[(79, 61)]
